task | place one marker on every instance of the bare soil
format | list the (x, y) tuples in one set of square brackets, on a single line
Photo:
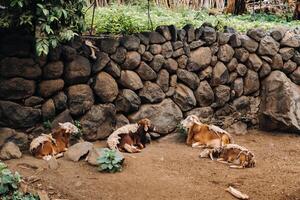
[(168, 169)]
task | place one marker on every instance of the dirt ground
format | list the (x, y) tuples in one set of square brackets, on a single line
[(168, 169)]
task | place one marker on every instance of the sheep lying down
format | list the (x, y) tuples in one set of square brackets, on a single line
[(237, 156)]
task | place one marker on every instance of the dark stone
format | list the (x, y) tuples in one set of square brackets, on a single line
[(106, 88), (127, 101), (248, 43), (165, 116), (53, 70), (181, 34), (68, 53), (184, 97), (16, 116), (48, 110), (109, 45), (254, 62), (50, 87), (102, 60), (171, 65), (257, 34), (238, 86), (235, 40), (164, 31), (119, 56), (251, 82), (155, 49), (241, 69), (289, 67), (60, 101), (146, 72), (182, 61), (222, 95), (11, 67), (99, 122), (130, 80), (156, 38), (63, 117), (189, 78), (113, 69), (177, 45), (151, 93), (220, 74), (265, 70), (231, 66), (33, 101), (157, 62), (287, 53), (163, 80), (77, 71), (178, 52), (223, 38), (80, 99), (147, 56), (132, 61), (201, 56), (204, 94), (196, 44), (268, 46), (277, 62), (225, 53), (295, 76), (173, 31), (16, 88), (241, 54), (130, 42), (144, 37), (209, 35), (190, 32), (167, 50)]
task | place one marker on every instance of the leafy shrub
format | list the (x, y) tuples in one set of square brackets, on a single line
[(9, 185), (50, 22), (133, 18), (110, 161)]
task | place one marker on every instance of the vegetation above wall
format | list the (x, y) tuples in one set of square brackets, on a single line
[(50, 22), (133, 18)]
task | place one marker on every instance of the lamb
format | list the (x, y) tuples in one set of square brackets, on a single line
[(130, 138), (46, 146), (239, 156), (204, 135)]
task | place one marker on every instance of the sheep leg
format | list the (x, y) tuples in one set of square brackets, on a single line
[(140, 145), (221, 160), (198, 144), (131, 149), (59, 155), (236, 167)]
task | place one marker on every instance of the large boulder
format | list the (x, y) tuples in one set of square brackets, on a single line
[(251, 82), (248, 43), (184, 97), (77, 151), (127, 101), (50, 87), (10, 151), (19, 67), (204, 94), (146, 72), (189, 78), (201, 56), (130, 79), (151, 93), (80, 99), (16, 88), (268, 46), (19, 138), (77, 71), (132, 60), (291, 39), (165, 116), (106, 88), (225, 53), (53, 70), (279, 108), (220, 74), (16, 116), (99, 122)]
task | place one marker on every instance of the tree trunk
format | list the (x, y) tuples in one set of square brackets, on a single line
[(297, 11)]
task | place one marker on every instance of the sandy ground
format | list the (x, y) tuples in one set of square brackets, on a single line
[(167, 169)]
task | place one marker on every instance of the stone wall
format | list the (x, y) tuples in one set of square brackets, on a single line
[(163, 75)]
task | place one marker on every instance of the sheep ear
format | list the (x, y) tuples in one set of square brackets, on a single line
[(146, 128)]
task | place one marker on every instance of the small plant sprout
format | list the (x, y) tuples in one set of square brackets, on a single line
[(79, 134), (182, 130), (47, 125), (110, 161)]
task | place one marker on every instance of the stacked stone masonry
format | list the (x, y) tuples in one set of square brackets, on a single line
[(163, 75)]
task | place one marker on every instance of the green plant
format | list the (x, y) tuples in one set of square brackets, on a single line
[(182, 130), (47, 125), (9, 185), (79, 134), (110, 161), (51, 22)]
